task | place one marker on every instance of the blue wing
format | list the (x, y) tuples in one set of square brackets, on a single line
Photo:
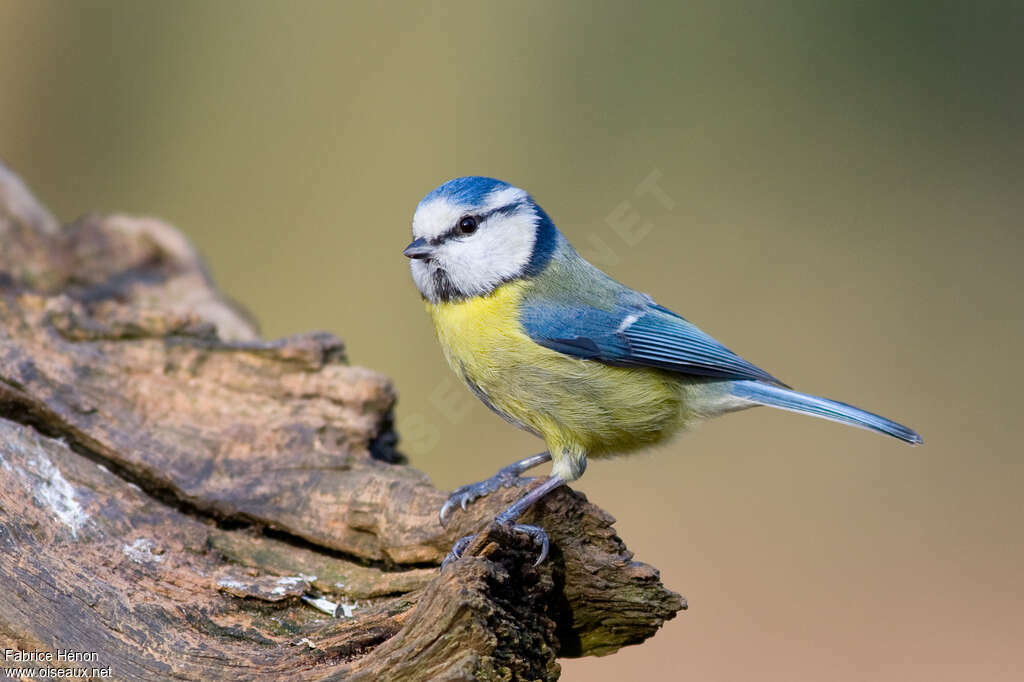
[(635, 333)]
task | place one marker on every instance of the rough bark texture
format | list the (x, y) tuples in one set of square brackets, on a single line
[(177, 495)]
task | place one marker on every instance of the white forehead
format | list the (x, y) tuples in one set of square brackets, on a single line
[(438, 215)]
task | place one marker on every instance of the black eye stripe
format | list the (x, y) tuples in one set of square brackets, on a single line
[(480, 218)]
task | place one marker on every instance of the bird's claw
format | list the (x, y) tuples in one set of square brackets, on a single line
[(463, 496), (457, 549), (538, 534)]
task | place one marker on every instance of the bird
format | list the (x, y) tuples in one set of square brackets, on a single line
[(561, 350)]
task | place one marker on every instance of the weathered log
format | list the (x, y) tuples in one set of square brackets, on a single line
[(180, 499)]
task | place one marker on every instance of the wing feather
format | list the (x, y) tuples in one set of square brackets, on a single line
[(634, 334)]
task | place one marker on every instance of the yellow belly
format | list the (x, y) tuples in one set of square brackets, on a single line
[(580, 407)]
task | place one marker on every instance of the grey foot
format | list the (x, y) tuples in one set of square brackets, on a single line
[(507, 477), (457, 549), (538, 534)]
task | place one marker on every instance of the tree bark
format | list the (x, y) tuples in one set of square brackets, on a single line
[(180, 499)]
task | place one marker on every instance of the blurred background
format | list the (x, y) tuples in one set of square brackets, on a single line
[(841, 201)]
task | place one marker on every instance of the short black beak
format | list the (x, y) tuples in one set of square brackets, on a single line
[(418, 249)]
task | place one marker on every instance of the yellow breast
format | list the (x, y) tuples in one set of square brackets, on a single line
[(580, 406)]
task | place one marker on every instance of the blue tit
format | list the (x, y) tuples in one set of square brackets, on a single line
[(556, 347)]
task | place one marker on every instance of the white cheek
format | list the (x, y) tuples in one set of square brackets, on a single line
[(421, 276), (497, 253)]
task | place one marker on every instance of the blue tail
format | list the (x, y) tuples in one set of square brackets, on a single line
[(786, 399)]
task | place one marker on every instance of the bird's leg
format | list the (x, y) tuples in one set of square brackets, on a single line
[(505, 478), (508, 517)]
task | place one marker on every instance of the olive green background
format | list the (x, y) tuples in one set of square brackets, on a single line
[(845, 201)]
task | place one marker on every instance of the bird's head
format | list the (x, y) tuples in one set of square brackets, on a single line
[(473, 234)]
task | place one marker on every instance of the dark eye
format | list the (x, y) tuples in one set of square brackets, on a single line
[(467, 225)]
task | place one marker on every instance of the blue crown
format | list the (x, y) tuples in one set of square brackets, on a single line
[(466, 191)]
